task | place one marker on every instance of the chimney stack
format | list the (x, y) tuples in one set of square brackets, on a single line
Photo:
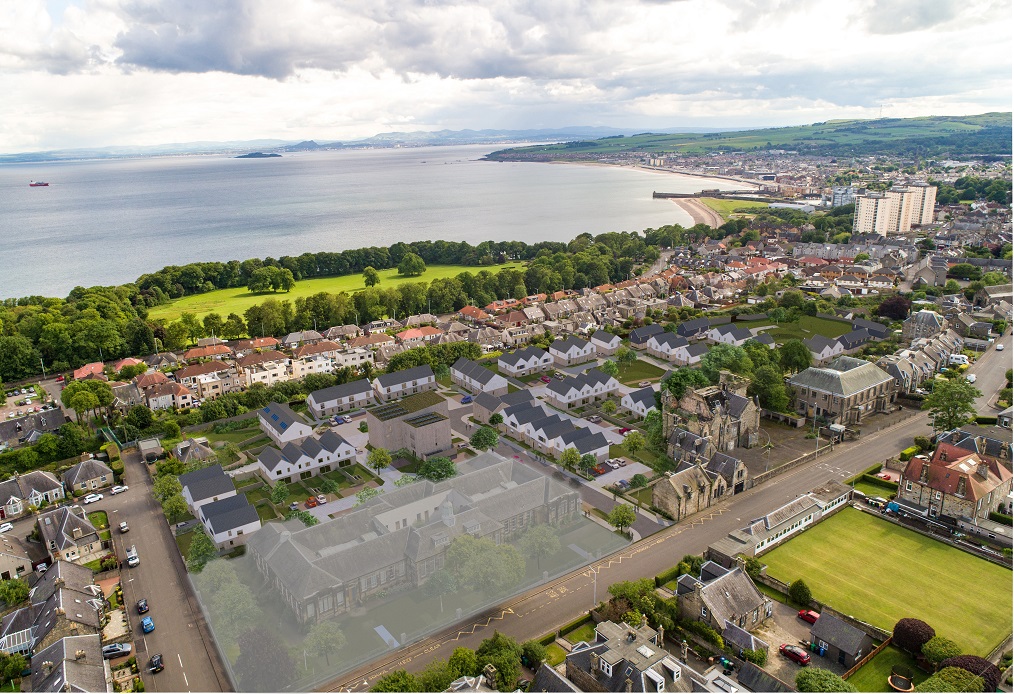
[(47, 667), (489, 672), (628, 686), (983, 470), (79, 654)]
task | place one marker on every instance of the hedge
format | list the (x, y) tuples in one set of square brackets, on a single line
[(570, 626), (548, 639), (872, 470), (908, 453), (985, 420), (1001, 518), (877, 482), (667, 575)]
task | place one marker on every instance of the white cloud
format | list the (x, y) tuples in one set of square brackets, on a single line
[(148, 71)]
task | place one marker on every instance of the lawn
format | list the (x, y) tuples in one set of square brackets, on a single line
[(585, 632), (872, 677), (265, 511), (101, 522), (183, 542), (237, 436), (239, 299), (867, 567), (874, 490), (727, 207), (644, 455), (805, 327), (638, 371), (555, 655)]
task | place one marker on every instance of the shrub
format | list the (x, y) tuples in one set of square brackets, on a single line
[(923, 443), (910, 634), (979, 667), (705, 632), (951, 679), (533, 653), (938, 649), (1001, 518), (908, 453), (990, 421), (668, 575), (815, 679), (800, 593), (758, 657)]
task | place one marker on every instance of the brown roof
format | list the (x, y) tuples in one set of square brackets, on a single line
[(208, 367), (145, 381), (316, 348), (260, 358), (371, 340), (950, 464), (209, 351), (256, 343)]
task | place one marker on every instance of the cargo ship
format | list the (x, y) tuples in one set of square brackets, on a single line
[(37, 184)]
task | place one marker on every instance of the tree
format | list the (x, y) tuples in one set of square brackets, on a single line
[(165, 487), (532, 654), (610, 368), (437, 469), (371, 277), (480, 564), (436, 676), (329, 486), (622, 517), (609, 406), (570, 458), (13, 591), (304, 517), (174, 508), (11, 665), (723, 357), (980, 667), (952, 679), (587, 462), (441, 583), (495, 419), (397, 681), (279, 492), (815, 679), (923, 443), (680, 380), (634, 441), (484, 438), (939, 649), (464, 662), (202, 550), (951, 403), (910, 634), (626, 356), (769, 386), (140, 416), (411, 265), (504, 654), (264, 663), (378, 459), (638, 481), (795, 356), (792, 298), (366, 494), (324, 639), (539, 541), (800, 593), (18, 358), (895, 307)]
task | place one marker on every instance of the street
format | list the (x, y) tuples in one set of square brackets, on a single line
[(191, 663), (570, 596), (990, 371)]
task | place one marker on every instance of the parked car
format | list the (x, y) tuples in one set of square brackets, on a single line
[(794, 653), (560, 375), (321, 499), (466, 399), (594, 419), (545, 379), (613, 465), (624, 431), (599, 469), (147, 625), (971, 378), (809, 616), (6, 527), (132, 558), (119, 489), (142, 605), (621, 462), (91, 498), (115, 650), (294, 506), (124, 528), (155, 664), (623, 483), (347, 419), (999, 346), (59, 379), (311, 502), (643, 384)]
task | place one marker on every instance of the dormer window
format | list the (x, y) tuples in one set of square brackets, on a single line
[(607, 669)]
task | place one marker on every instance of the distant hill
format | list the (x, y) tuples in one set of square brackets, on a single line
[(933, 136)]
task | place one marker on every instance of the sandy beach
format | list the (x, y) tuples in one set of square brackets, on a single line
[(699, 212)]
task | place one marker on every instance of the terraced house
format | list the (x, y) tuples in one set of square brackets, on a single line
[(525, 361), (476, 378), (395, 385), (314, 456), (342, 398), (267, 368), (572, 350), (400, 539), (582, 389)]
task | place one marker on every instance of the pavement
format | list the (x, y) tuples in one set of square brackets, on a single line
[(191, 662), (574, 594)]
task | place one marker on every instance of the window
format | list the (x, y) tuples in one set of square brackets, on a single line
[(607, 668), (908, 486), (704, 611)]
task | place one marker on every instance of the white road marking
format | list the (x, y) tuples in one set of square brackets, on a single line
[(179, 659)]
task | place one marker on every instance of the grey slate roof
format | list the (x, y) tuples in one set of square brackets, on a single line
[(415, 373), (645, 396), (69, 673), (229, 513), (474, 371), (670, 340), (340, 391), (731, 596), (58, 527), (547, 679), (692, 327), (603, 336), (742, 638), (838, 633), (757, 680), (517, 397), (585, 441), (207, 482), (488, 401), (521, 355), (844, 376), (563, 346), (87, 470), (736, 332), (639, 335), (280, 416)]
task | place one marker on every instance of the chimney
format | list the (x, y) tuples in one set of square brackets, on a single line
[(982, 470), (79, 654), (628, 686), (59, 582), (75, 533), (489, 672), (47, 666), (661, 635), (594, 661)]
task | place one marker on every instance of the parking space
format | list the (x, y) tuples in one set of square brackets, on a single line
[(623, 473), (785, 626), (24, 401)]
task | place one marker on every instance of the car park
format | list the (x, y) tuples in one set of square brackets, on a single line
[(808, 616), (794, 653), (115, 650), (119, 489), (124, 528), (142, 606), (155, 664), (91, 498), (6, 527), (147, 625)]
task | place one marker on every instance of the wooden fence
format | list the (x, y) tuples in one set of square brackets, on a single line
[(867, 658)]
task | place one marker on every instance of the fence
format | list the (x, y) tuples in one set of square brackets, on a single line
[(867, 658), (805, 458)]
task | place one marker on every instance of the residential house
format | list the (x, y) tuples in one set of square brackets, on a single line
[(282, 425), (418, 423), (473, 314), (838, 641), (302, 337), (721, 597), (955, 483), (525, 361), (399, 539), (36, 488), (229, 522), (149, 380), (476, 378), (729, 335), (418, 379), (846, 390), (88, 475), (605, 343), (685, 492), (206, 485), (1004, 418), (639, 336), (125, 396), (486, 405), (696, 328), (342, 332), (341, 398), (168, 396), (191, 450), (371, 341), (354, 358), (572, 350), (208, 352), (420, 320), (582, 389), (243, 347), (668, 346), (639, 402), (15, 561), (317, 358), (93, 370), (314, 456), (209, 379), (416, 337), (71, 664), (266, 368), (163, 360), (68, 535)]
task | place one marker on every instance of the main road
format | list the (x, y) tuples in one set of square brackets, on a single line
[(990, 373), (543, 609)]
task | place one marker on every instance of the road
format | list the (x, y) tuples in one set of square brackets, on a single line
[(191, 663), (539, 611), (990, 371)]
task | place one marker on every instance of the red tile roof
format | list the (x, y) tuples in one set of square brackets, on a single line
[(93, 369)]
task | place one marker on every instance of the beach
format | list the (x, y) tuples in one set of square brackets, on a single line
[(699, 212)]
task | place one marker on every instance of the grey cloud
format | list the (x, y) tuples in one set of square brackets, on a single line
[(903, 16)]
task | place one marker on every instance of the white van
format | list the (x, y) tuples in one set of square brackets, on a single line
[(132, 558), (957, 359)]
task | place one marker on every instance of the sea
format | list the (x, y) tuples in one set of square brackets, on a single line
[(106, 222)]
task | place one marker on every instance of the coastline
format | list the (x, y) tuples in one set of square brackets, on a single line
[(699, 212)]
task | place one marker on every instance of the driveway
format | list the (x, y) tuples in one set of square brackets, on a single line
[(624, 473), (783, 627)]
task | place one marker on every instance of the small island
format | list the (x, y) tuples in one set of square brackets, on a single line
[(257, 155)]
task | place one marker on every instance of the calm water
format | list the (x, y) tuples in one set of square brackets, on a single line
[(107, 222)]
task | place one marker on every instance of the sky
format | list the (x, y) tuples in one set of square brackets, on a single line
[(91, 73)]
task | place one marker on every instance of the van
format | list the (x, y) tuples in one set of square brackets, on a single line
[(132, 558), (957, 359)]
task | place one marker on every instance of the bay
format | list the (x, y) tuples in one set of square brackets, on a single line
[(106, 222)]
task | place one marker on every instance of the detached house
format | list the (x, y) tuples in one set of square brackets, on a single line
[(68, 535), (342, 398), (267, 368), (955, 483), (313, 456), (838, 640), (476, 378), (169, 395), (205, 486), (639, 402), (721, 598), (282, 425), (525, 361), (605, 343), (572, 350), (88, 475), (847, 389), (229, 521), (209, 379), (729, 335), (395, 385)]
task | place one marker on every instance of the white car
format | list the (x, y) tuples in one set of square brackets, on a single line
[(6, 527), (971, 378), (91, 499), (999, 346), (119, 489)]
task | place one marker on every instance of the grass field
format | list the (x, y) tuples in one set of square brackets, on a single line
[(638, 371), (805, 327), (727, 208), (872, 677), (878, 572), (238, 299)]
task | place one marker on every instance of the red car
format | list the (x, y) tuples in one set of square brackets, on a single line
[(809, 616), (884, 476), (624, 430), (545, 379), (600, 470), (794, 653), (311, 502)]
